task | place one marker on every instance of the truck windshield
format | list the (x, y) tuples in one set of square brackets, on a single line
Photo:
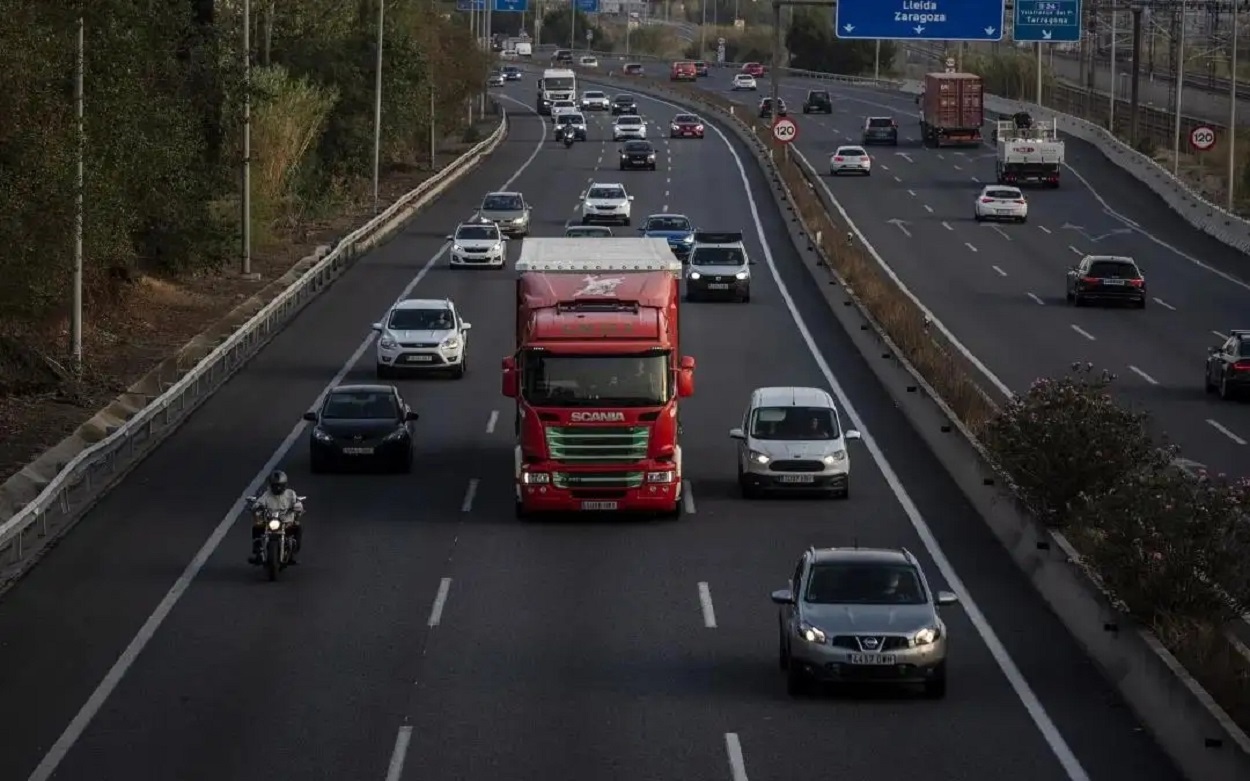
[(563, 82), (595, 380)]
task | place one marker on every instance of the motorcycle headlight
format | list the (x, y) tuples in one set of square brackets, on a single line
[(321, 435), (742, 275), (834, 457), (812, 634), (758, 457), (387, 343), (695, 275), (274, 525), (450, 343), (926, 636)]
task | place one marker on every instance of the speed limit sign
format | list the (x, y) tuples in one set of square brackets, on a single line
[(784, 130), (1202, 138)]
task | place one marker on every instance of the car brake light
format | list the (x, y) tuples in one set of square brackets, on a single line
[(1090, 280), (987, 200), (837, 158), (1137, 282), (1241, 366), (1018, 200)]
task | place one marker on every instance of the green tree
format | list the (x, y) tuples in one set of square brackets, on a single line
[(813, 46)]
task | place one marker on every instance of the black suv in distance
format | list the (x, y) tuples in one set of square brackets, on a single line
[(766, 108), (818, 102), (880, 130), (1106, 278), (637, 154), (563, 55), (700, 69), (624, 104)]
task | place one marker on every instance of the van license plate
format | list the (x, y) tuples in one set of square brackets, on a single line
[(718, 286), (598, 505), (797, 478), (872, 658)]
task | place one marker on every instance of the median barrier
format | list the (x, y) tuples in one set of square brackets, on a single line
[(913, 365), (49, 495)]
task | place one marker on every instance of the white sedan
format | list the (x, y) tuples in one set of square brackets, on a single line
[(606, 202), (477, 244), (593, 100), (629, 126), (421, 334), (744, 81), (1001, 203), (850, 160)]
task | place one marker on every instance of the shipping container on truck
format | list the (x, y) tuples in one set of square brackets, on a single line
[(596, 373), (951, 111)]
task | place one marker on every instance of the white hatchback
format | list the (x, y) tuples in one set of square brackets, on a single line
[(628, 126), (477, 244), (850, 160), (588, 62), (421, 334), (744, 81), (997, 202), (606, 202)]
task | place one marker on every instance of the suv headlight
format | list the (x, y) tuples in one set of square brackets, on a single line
[(386, 343), (926, 636), (812, 634), (758, 457), (450, 343), (834, 458), (742, 275), (457, 248)]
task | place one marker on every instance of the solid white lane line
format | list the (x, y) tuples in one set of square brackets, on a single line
[(1035, 297), (687, 497), (82, 719), (1164, 304), (969, 246), (1215, 425), (947, 225), (1083, 332), (1001, 273), (400, 753), (1076, 251), (440, 602), (737, 765), (705, 603), (469, 494), (491, 421), (1143, 375), (1043, 228)]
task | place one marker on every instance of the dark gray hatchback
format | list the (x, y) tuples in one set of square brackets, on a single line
[(880, 130)]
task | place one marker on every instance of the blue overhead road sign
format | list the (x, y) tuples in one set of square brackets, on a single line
[(921, 20), (470, 5), (1047, 20), (588, 6), (511, 6)]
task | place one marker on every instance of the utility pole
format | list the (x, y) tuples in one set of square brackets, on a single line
[(1232, 114), (1180, 92), (268, 44), (775, 74), (377, 104), (75, 323), (245, 217), (1136, 84)]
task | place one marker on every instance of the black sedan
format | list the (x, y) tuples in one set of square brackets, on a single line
[(637, 154), (624, 104), (1228, 366), (1106, 278), (361, 425)]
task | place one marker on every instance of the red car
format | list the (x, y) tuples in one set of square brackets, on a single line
[(686, 126), (753, 69)]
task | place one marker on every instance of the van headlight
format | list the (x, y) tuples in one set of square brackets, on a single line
[(695, 275), (834, 458), (742, 275), (758, 457)]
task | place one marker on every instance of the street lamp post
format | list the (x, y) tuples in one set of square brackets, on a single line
[(1232, 113), (75, 323), (377, 104), (245, 204)]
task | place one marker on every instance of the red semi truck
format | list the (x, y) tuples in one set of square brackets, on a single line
[(951, 109), (596, 374)]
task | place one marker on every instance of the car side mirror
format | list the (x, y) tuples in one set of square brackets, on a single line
[(851, 433), (411, 417), (945, 598), (783, 597), (582, 196), (376, 327), (311, 417), (685, 377), (630, 197), (737, 433), (510, 383), (465, 326)]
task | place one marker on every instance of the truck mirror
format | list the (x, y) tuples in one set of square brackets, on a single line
[(509, 378), (685, 377)]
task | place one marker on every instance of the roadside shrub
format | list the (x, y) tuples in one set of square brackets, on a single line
[(1066, 439)]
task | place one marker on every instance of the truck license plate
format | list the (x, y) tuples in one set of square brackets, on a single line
[(598, 505), (358, 451), (718, 286), (797, 478), (418, 358), (872, 658)]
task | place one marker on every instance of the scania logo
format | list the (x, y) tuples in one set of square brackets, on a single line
[(597, 417)]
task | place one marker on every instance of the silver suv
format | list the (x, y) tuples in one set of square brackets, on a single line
[(862, 615)]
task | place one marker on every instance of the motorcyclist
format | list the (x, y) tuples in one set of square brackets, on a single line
[(278, 497)]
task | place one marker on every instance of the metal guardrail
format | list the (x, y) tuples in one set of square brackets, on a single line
[(81, 481)]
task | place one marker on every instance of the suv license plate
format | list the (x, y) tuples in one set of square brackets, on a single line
[(1117, 282), (797, 478), (872, 658), (358, 451), (418, 358), (598, 505)]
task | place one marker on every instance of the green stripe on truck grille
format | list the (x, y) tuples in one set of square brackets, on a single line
[(598, 444)]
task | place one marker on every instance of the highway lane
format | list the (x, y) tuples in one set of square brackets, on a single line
[(999, 288), (537, 649)]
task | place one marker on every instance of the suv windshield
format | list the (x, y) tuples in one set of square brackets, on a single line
[(606, 193), (794, 423), (1113, 268), (844, 583), (718, 256), (420, 320), (478, 233), (360, 405), (881, 122), (668, 224), (595, 380), (502, 203)]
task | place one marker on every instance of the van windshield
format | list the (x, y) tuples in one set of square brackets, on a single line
[(794, 423)]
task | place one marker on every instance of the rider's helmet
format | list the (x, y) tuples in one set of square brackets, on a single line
[(277, 482)]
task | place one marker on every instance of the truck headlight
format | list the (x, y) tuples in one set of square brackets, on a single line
[(535, 478), (660, 477)]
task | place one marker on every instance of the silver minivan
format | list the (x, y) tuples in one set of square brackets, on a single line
[(792, 439)]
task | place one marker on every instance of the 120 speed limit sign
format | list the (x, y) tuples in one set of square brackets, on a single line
[(1202, 138), (784, 130)]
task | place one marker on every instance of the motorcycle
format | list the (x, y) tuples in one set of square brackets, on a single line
[(278, 544), (566, 135)]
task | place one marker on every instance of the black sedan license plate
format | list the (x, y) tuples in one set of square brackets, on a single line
[(418, 358)]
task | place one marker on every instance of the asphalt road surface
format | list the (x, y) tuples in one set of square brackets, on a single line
[(1000, 287), (429, 628)]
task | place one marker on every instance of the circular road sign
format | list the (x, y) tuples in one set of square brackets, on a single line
[(784, 130), (1202, 138)]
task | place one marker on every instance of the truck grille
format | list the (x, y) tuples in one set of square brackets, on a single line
[(597, 480), (598, 444), (797, 466)]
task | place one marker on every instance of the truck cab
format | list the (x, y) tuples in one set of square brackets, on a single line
[(597, 374)]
